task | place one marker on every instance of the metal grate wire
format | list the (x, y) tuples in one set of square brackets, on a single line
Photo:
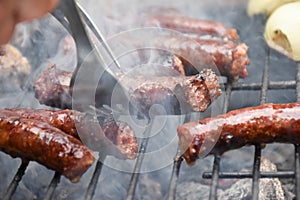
[(15, 181), (257, 153), (52, 186), (93, 183), (176, 169), (217, 158), (297, 147), (138, 165), (136, 172), (216, 174)]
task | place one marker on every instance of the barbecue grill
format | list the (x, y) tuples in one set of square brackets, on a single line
[(272, 78)]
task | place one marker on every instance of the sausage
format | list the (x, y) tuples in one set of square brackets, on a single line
[(53, 88), (177, 94), (266, 123), (110, 138), (195, 92), (193, 26), (45, 144), (229, 58)]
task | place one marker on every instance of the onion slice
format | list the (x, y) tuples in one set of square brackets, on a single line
[(282, 31)]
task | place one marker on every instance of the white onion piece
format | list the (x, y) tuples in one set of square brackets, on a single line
[(282, 31)]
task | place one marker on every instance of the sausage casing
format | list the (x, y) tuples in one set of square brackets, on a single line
[(105, 135), (255, 125), (193, 26), (45, 144)]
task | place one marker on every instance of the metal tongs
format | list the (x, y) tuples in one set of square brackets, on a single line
[(68, 13)]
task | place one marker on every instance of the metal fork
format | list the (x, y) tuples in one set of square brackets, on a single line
[(86, 48)]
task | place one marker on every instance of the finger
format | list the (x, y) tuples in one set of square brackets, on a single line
[(7, 22), (6, 30), (31, 9)]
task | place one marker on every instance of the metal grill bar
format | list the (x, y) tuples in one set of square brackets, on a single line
[(297, 171), (256, 172), (15, 182), (215, 178), (174, 176), (273, 85), (257, 154), (297, 147), (137, 167), (298, 82), (93, 183), (227, 97), (176, 168), (240, 175), (136, 171), (54, 182), (265, 78), (217, 158)]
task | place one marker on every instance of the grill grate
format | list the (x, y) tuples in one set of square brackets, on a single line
[(216, 173)]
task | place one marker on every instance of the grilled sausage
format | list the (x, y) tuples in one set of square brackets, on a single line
[(176, 94), (229, 58), (196, 92), (45, 144), (53, 88), (193, 26), (110, 138), (255, 125)]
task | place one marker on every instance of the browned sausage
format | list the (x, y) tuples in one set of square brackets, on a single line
[(229, 58), (53, 88), (196, 92), (111, 138), (255, 125), (193, 26), (179, 94), (45, 144)]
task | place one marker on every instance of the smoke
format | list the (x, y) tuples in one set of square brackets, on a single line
[(46, 41)]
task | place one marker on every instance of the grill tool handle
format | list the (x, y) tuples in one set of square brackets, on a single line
[(107, 82)]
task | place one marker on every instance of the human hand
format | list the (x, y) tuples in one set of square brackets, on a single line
[(15, 11)]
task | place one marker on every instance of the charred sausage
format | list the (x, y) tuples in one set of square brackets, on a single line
[(45, 144), (255, 125), (195, 92), (110, 138), (178, 94), (229, 58)]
